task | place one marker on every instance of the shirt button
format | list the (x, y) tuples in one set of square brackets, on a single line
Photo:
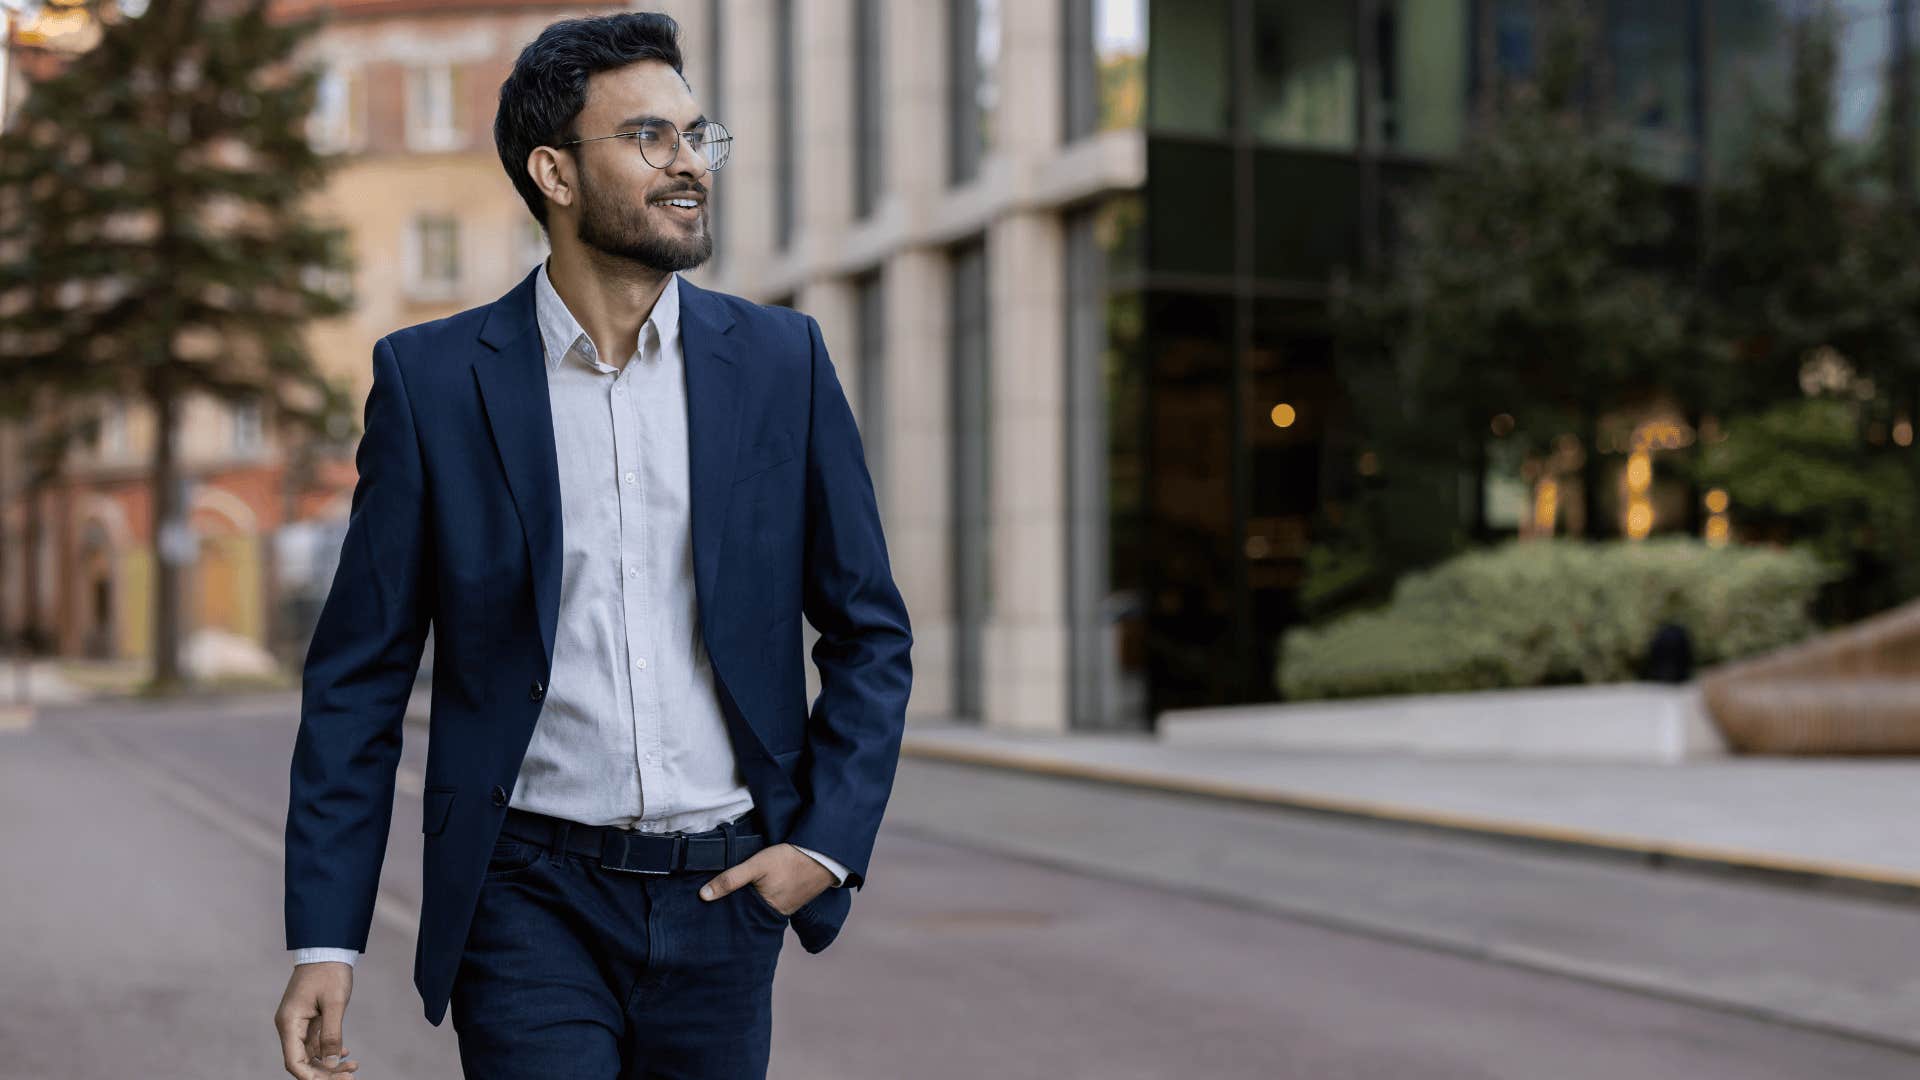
[(629, 478), (536, 692), (499, 795), (641, 663), (618, 387), (633, 571)]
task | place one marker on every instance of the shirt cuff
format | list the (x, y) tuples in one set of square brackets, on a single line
[(316, 954), (839, 872)]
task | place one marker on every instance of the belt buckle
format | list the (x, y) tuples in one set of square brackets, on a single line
[(651, 865)]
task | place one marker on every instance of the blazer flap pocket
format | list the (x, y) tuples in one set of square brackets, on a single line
[(775, 448), (438, 800)]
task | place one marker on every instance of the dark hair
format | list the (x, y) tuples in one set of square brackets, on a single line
[(543, 96)]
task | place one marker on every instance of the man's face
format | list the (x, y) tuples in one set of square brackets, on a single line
[(622, 207)]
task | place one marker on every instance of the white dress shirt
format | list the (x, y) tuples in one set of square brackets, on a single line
[(630, 731)]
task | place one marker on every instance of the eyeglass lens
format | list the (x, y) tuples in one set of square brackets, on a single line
[(660, 143)]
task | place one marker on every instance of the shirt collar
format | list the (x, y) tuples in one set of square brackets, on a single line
[(560, 332)]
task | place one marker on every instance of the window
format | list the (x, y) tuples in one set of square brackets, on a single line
[(337, 124), (871, 311), (430, 108), (973, 92), (786, 117), (1418, 87), (1305, 81), (1190, 67), (244, 422), (971, 456), (1104, 478), (1748, 69), (1105, 65), (869, 112), (716, 101), (1863, 40), (433, 257), (1651, 75)]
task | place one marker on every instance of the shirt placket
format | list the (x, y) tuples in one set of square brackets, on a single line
[(637, 599)]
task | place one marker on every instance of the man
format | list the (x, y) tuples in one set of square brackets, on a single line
[(613, 494)]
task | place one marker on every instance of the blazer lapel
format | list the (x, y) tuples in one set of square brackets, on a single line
[(512, 376), (713, 429)]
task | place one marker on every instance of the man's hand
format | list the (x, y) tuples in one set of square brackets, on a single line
[(309, 1019), (786, 877)]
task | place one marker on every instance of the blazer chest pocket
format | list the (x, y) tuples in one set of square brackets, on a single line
[(763, 455)]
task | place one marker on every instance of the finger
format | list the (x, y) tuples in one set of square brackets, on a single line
[(718, 887), (293, 1047), (331, 1016)]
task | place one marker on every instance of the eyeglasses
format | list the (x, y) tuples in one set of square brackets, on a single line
[(659, 142)]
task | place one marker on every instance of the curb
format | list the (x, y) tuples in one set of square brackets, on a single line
[(1827, 876)]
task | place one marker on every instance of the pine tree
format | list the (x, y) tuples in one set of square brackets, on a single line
[(153, 242)]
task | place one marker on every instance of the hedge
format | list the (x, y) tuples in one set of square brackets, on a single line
[(1545, 612)]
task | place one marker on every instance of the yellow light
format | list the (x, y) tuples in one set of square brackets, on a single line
[(1718, 530), (1903, 433), (1546, 505), (1639, 471), (1639, 519), (1283, 415), (1717, 501)]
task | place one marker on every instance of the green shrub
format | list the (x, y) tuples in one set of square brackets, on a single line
[(1543, 612)]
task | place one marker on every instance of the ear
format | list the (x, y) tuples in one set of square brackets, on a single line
[(552, 173)]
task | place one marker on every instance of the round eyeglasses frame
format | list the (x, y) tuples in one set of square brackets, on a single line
[(724, 138)]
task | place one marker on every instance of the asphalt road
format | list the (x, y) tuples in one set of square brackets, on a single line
[(1013, 927)]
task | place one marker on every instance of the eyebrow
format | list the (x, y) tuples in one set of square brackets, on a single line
[(636, 121)]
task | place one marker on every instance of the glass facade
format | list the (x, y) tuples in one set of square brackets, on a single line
[(1189, 63), (1417, 87), (1653, 82), (1305, 74), (1281, 137)]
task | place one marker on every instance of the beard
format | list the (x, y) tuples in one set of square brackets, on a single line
[(621, 229)]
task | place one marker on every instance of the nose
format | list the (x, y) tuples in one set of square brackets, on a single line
[(689, 162)]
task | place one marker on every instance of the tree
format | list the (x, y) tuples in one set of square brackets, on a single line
[(1530, 285), (1811, 249), (153, 242)]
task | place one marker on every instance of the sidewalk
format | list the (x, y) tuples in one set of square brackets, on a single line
[(1844, 821)]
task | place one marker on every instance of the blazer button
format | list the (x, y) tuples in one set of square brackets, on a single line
[(537, 692), (499, 795)]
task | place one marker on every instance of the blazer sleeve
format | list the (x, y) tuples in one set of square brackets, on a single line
[(359, 672), (856, 723)]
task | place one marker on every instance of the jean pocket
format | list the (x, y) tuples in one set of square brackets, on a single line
[(754, 898), (510, 856)]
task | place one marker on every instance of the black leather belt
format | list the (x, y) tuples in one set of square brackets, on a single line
[(638, 852)]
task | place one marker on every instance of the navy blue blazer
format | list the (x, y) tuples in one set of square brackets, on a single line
[(456, 522)]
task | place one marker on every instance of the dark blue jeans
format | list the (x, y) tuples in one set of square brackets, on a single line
[(571, 970)]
